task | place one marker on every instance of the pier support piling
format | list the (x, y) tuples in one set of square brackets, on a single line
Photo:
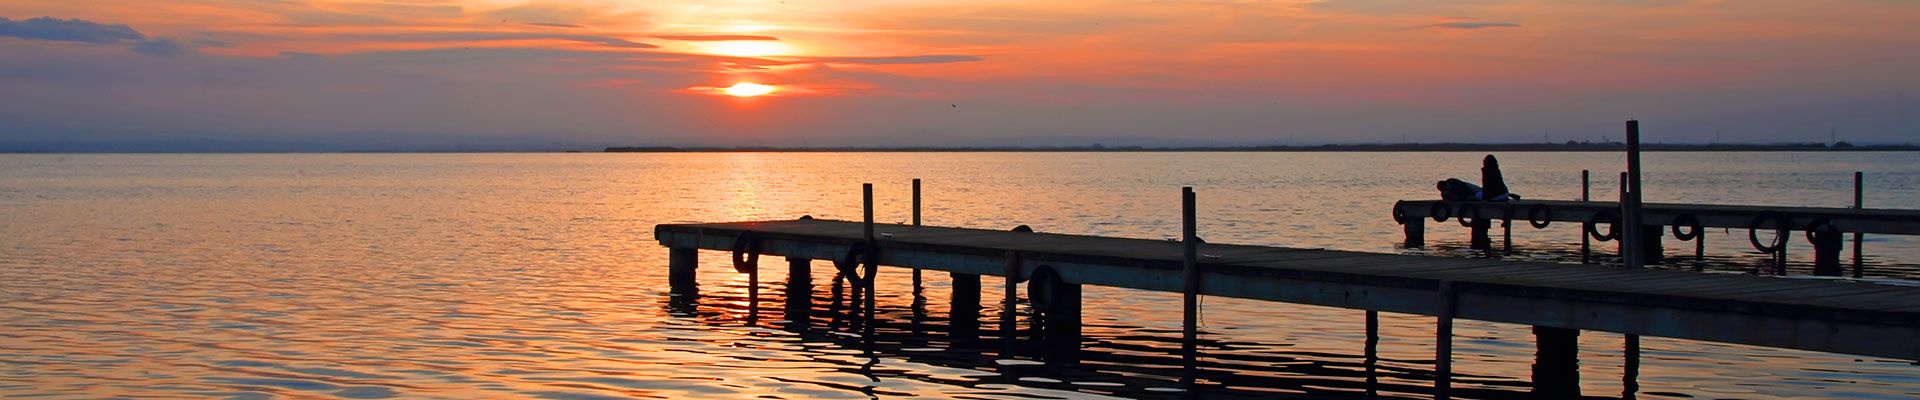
[(1480, 240), (1416, 229), (1826, 252), (799, 304), (1059, 306), (963, 319), (1556, 366), (1652, 252), (681, 263)]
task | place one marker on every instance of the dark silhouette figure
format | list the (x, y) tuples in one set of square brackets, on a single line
[(1454, 189), (1496, 186)]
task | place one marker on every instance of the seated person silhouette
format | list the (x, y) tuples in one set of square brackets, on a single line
[(1453, 189)]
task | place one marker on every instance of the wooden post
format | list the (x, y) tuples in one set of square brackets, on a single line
[(963, 322), (1416, 229), (799, 293), (681, 264), (916, 222), (1506, 226), (1190, 283), (873, 265), (1556, 366), (1858, 203), (1478, 232), (1586, 243), (919, 298), (1443, 343), (1635, 251), (1826, 252), (1652, 251)]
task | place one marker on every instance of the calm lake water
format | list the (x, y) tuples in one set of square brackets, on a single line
[(536, 275)]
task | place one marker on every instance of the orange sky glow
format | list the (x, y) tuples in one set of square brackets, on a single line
[(919, 72)]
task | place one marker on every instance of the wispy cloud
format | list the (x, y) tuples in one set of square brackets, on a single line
[(1475, 25), (926, 59), (162, 47), (714, 38), (497, 36), (70, 30)]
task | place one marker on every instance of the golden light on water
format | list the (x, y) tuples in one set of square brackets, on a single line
[(749, 89)]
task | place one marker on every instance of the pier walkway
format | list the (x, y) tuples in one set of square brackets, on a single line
[(1825, 315)]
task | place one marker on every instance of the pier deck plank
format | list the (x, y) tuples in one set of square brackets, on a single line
[(1840, 316)]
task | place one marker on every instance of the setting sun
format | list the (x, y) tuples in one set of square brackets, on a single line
[(748, 89)]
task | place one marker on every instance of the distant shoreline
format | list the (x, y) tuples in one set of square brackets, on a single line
[(1405, 147)]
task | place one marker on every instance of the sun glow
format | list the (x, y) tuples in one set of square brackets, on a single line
[(748, 48), (749, 89)]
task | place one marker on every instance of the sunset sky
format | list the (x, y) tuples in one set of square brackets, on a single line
[(511, 74)]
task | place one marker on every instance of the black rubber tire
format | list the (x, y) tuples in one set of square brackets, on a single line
[(746, 253), (1689, 221), (1439, 212), (1023, 228), (1822, 224), (1400, 212), (1040, 289), (1540, 216), (1609, 217), (1753, 231), (1462, 215)]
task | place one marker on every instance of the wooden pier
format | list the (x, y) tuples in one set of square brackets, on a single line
[(1845, 317), (1770, 228)]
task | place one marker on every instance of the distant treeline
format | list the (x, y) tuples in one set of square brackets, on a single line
[(1570, 146)]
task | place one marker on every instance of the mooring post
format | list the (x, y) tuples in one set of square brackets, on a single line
[(1443, 343), (799, 292), (1190, 283), (1556, 366), (1858, 203), (963, 321), (1634, 244), (916, 222), (1586, 243), (872, 264), (919, 297), (681, 263)]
